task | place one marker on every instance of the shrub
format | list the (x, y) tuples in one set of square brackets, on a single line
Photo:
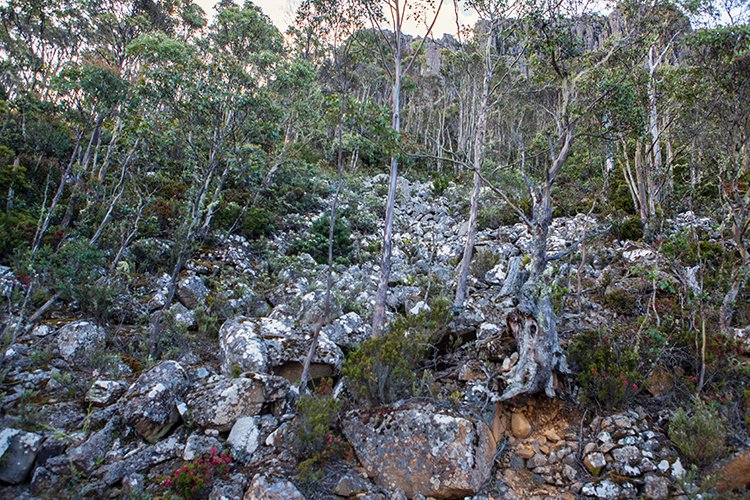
[(315, 422), (631, 229), (193, 479), (317, 244), (608, 368), (385, 369), (698, 436)]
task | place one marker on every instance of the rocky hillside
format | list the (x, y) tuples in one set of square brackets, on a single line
[(86, 414)]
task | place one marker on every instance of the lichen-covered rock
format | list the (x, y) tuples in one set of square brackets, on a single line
[(18, 450), (244, 438), (219, 402), (75, 341), (241, 348), (422, 449), (150, 404), (87, 455), (199, 444), (191, 291), (348, 330), (273, 345), (105, 392), (266, 487)]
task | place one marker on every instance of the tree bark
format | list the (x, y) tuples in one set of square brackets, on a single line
[(378, 318)]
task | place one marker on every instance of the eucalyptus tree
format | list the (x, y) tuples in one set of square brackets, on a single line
[(501, 18), (388, 19), (721, 89), (199, 105), (564, 87)]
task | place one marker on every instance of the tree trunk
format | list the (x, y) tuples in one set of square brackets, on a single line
[(378, 319), (463, 273)]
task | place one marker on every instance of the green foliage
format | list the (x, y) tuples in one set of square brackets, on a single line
[(699, 433), (608, 368), (317, 244), (629, 229), (76, 272), (317, 417), (16, 231), (385, 369)]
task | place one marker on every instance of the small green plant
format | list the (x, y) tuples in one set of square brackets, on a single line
[(385, 369), (193, 479), (311, 469), (608, 368), (630, 229), (316, 421), (317, 244), (699, 435)]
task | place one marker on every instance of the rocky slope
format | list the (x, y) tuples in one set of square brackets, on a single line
[(86, 415)]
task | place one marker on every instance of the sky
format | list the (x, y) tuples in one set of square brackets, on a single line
[(281, 13)]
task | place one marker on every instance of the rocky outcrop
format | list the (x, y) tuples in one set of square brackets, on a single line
[(18, 450), (266, 487), (191, 291), (218, 403), (150, 404), (76, 341), (422, 449), (273, 345)]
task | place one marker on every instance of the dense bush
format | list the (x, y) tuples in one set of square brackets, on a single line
[(608, 368), (699, 435), (629, 229), (385, 369), (317, 244), (316, 420)]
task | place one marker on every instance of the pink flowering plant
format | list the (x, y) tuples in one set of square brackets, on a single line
[(192, 478), (312, 468)]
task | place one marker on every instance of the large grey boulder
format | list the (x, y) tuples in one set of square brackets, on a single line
[(272, 344), (191, 291), (18, 450), (150, 404), (244, 438), (241, 347), (219, 402), (422, 449), (90, 453), (347, 330), (75, 341)]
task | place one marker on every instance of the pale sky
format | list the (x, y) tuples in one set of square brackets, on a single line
[(281, 13)]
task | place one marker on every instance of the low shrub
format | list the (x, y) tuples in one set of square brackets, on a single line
[(316, 421), (699, 435), (385, 369), (317, 244), (193, 479), (631, 229), (608, 368)]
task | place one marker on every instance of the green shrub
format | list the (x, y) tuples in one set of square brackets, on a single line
[(440, 184), (700, 435), (316, 420), (629, 229), (317, 244), (608, 368), (385, 369)]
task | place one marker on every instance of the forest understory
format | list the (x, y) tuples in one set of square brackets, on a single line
[(356, 259)]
